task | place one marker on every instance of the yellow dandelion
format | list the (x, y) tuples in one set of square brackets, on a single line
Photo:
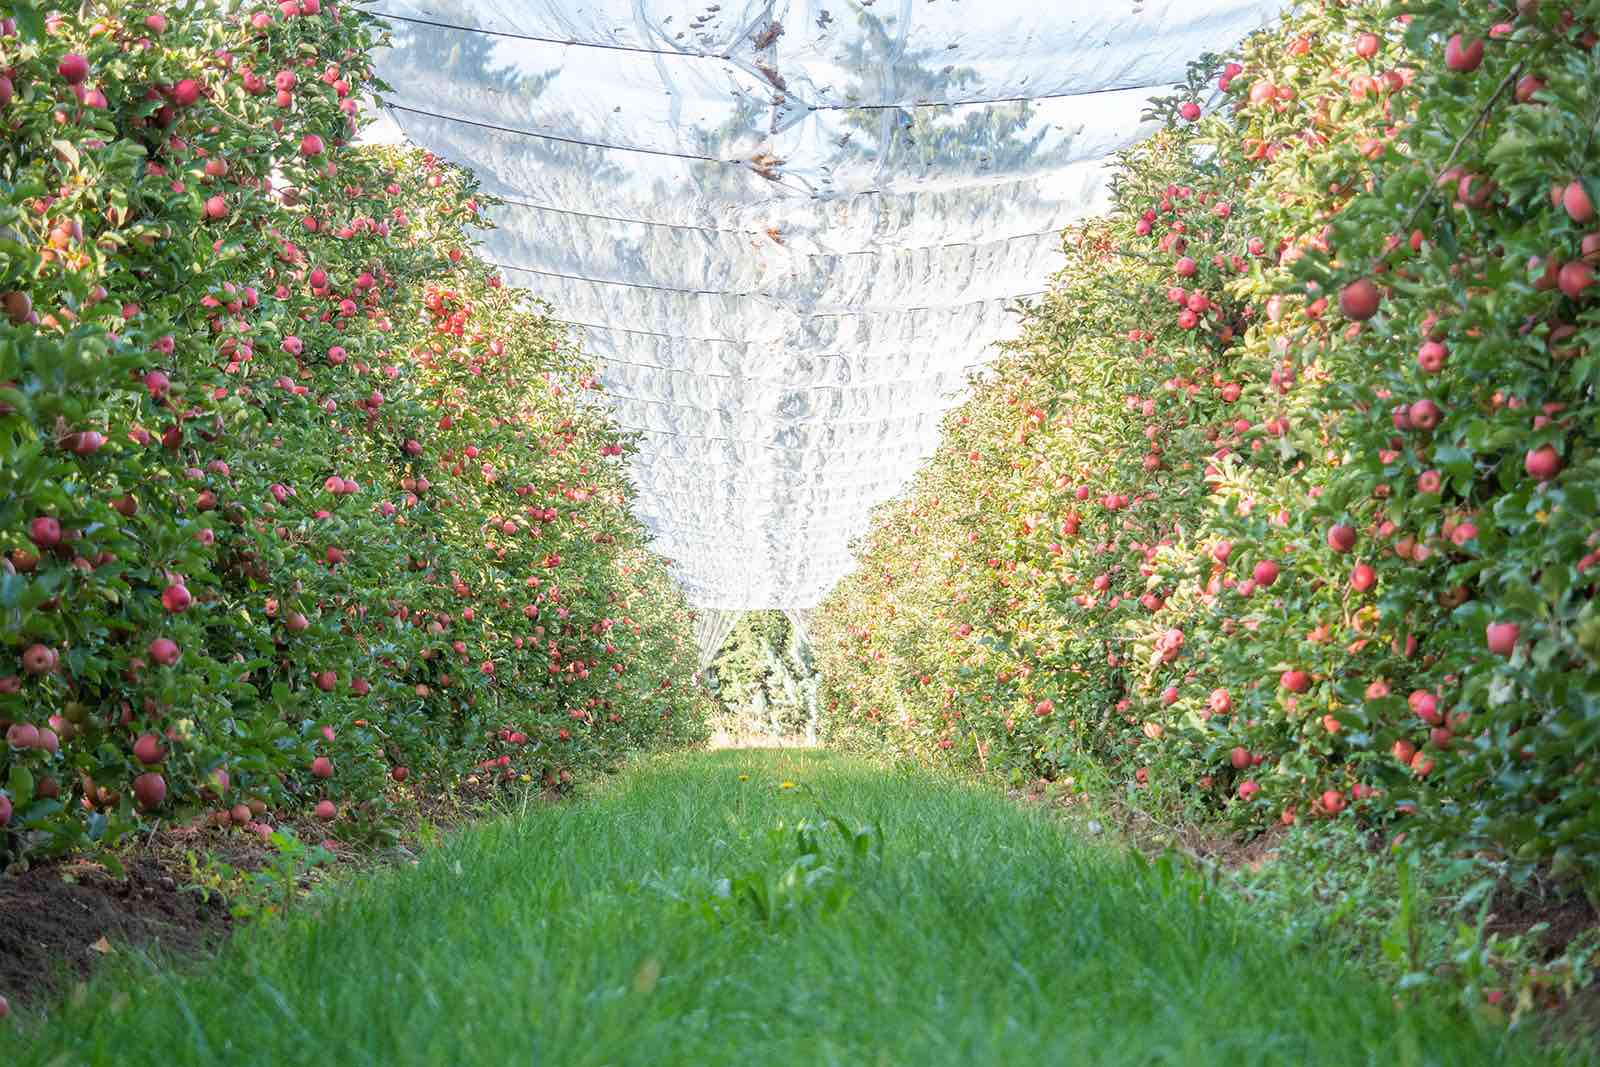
[(785, 785), (744, 778)]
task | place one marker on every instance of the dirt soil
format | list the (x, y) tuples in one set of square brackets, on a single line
[(58, 920)]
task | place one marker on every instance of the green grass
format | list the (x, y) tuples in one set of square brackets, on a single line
[(680, 915)]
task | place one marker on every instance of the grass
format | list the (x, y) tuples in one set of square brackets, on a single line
[(696, 911)]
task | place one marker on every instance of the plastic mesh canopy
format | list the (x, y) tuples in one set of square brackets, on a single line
[(789, 229)]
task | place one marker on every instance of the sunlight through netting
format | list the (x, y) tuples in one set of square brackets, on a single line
[(789, 231)]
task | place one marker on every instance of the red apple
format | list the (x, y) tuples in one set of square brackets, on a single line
[(322, 767), (1502, 637), (1542, 463), (326, 811), (1362, 577), (150, 790), (39, 659), (147, 749), (1359, 300), (73, 68), (1463, 56), (163, 650), (44, 532), (1265, 572), (1575, 198), (1425, 414), (1341, 538), (1574, 278), (176, 598)]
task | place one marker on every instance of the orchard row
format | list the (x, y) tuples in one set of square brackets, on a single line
[(1287, 503), (297, 500)]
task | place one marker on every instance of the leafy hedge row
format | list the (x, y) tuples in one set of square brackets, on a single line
[(296, 498), (1287, 501), (762, 681)]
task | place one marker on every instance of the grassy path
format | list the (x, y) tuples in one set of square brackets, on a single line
[(679, 917)]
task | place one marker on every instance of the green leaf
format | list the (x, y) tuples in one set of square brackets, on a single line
[(20, 786), (30, 24)]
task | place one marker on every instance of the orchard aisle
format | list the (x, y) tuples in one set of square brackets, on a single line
[(759, 907)]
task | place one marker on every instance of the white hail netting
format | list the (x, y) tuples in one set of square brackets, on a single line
[(789, 227)]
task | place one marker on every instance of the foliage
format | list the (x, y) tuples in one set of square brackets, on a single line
[(1284, 504), (296, 499), (762, 679)]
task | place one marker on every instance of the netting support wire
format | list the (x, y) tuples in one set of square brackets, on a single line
[(728, 57), (751, 294), (1054, 231)]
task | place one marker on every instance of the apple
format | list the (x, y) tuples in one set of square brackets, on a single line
[(5, 817), (1431, 356), (1341, 538), (147, 749), (216, 208), (73, 68), (44, 532), (399, 774), (1463, 56), (1542, 463), (326, 680), (1296, 681), (1333, 801), (186, 92), (150, 790), (1043, 708), (1425, 414), (1189, 110), (1239, 758), (176, 598), (326, 811), (39, 659), (1575, 199), (1426, 706), (1248, 789), (1502, 637), (1363, 577), (1359, 300), (310, 145), (1265, 573), (22, 735), (163, 650), (322, 767), (1574, 278)]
